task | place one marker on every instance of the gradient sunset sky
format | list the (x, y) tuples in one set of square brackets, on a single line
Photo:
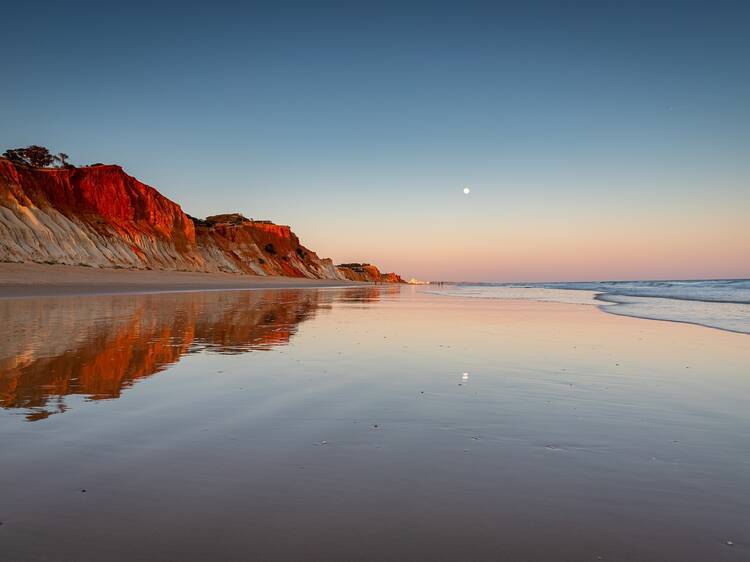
[(600, 140)]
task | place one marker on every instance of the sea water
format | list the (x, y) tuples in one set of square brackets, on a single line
[(722, 303)]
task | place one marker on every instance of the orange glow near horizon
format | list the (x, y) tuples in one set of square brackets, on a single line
[(591, 245)]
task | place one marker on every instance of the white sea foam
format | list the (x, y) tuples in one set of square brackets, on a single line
[(711, 290)]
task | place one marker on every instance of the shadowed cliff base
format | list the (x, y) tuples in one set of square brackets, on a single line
[(18, 280)]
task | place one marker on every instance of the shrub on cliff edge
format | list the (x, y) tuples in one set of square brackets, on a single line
[(37, 157)]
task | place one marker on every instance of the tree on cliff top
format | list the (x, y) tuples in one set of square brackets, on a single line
[(36, 156)]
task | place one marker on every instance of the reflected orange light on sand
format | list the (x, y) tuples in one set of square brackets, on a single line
[(97, 346)]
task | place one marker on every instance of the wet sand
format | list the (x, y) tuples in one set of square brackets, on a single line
[(42, 280), (367, 424)]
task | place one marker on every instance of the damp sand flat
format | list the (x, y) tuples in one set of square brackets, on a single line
[(367, 424)]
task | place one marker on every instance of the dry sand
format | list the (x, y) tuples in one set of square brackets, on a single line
[(41, 280)]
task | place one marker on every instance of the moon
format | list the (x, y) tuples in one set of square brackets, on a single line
[(467, 190)]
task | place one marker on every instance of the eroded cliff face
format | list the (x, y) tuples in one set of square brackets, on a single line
[(97, 216), (237, 244), (100, 216), (367, 272)]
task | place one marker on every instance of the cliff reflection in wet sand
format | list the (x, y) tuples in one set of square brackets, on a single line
[(57, 347)]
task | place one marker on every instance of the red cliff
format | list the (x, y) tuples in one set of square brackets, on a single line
[(367, 272), (238, 244), (100, 216)]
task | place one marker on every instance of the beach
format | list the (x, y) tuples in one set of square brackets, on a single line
[(367, 423), (374, 282), (43, 280)]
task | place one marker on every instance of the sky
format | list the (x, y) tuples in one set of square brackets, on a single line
[(600, 140)]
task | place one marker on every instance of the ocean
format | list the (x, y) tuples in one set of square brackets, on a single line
[(716, 303)]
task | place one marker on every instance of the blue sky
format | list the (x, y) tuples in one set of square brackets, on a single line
[(580, 127)]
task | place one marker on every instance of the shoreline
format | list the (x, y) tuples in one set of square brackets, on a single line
[(620, 308), (32, 280), (728, 316)]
